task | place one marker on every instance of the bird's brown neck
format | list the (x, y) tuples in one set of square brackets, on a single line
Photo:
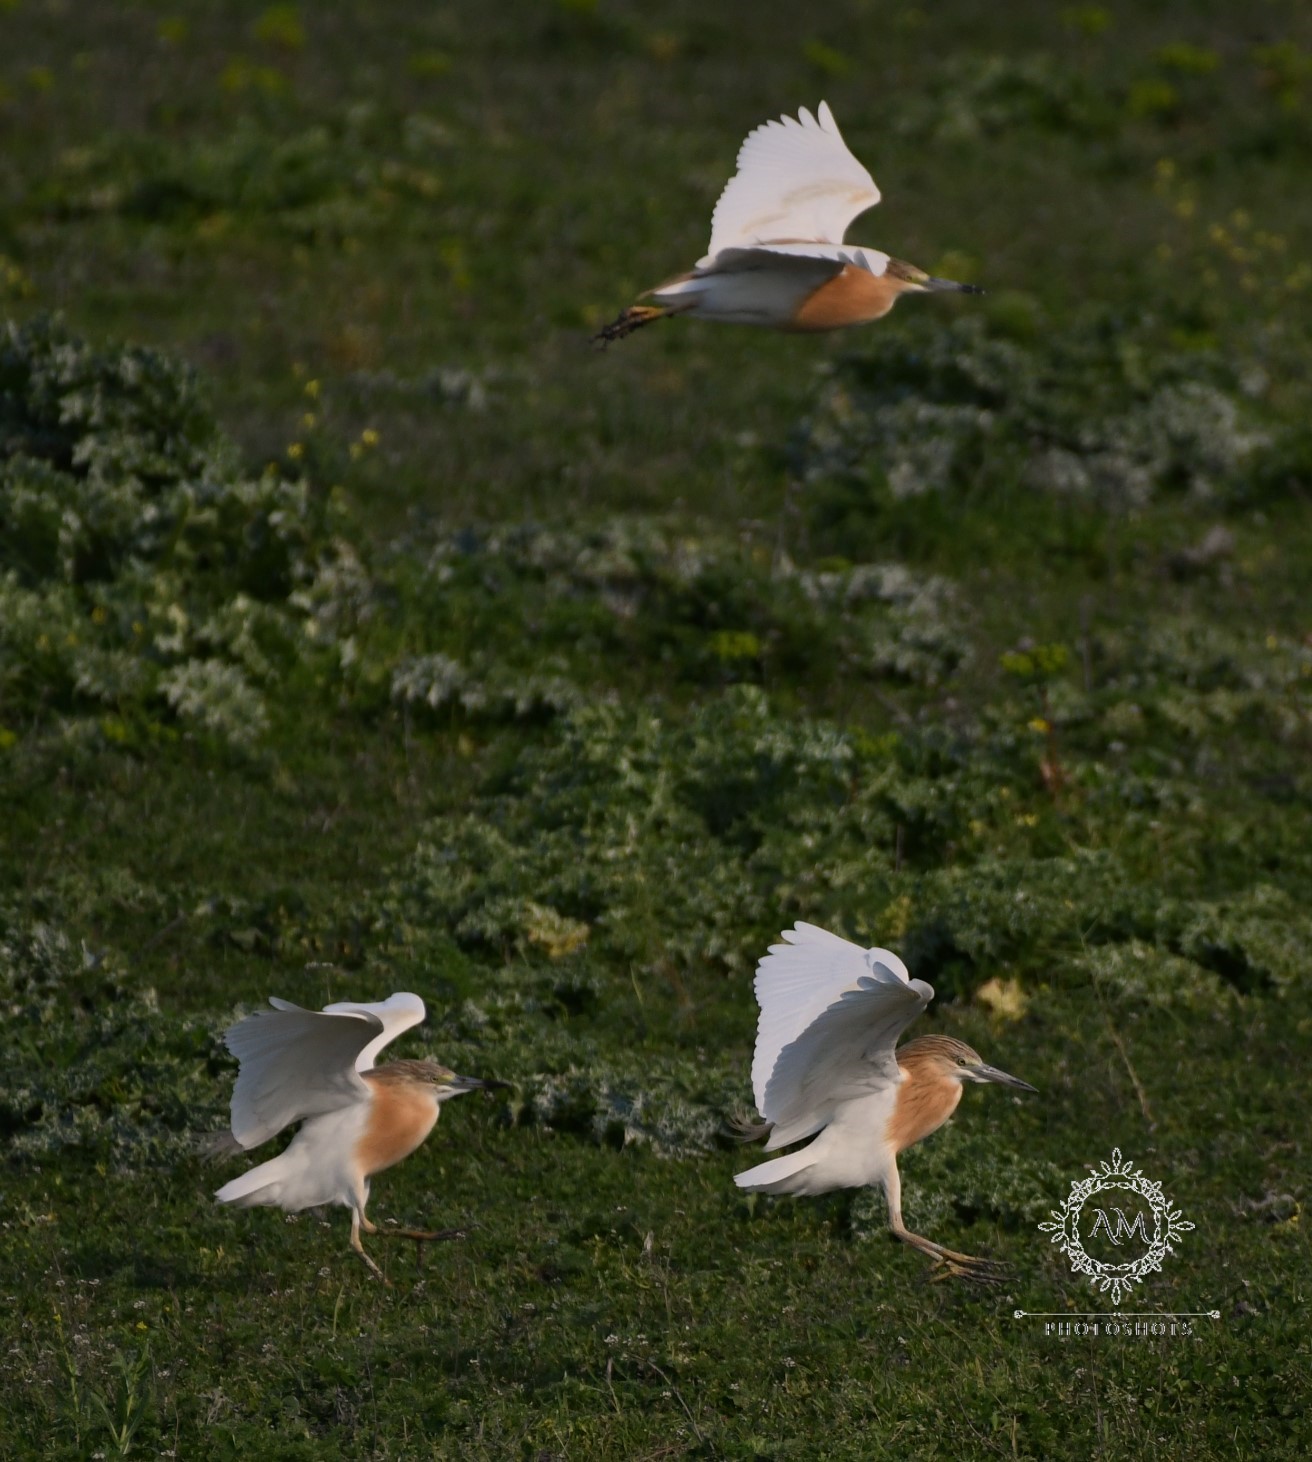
[(925, 1100), (401, 1115)]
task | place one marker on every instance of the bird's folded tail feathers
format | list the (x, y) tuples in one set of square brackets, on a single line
[(261, 1185), (788, 1174)]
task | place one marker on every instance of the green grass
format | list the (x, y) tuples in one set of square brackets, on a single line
[(362, 630)]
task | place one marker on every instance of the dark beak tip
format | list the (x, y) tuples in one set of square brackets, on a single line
[(478, 1083), (1005, 1078), (953, 286)]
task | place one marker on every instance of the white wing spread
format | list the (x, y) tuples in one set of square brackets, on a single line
[(796, 180), (831, 1015), (397, 1013), (295, 1064)]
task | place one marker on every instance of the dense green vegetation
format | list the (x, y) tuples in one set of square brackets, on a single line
[(362, 630)]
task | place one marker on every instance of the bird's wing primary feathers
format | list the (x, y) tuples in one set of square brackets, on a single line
[(831, 1014), (397, 1013), (295, 1064), (796, 179), (741, 258)]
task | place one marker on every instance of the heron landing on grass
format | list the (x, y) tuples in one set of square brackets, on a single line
[(777, 256), (317, 1068), (828, 1067)]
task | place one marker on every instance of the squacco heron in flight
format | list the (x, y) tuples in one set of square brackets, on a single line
[(317, 1068), (777, 256), (828, 1067)]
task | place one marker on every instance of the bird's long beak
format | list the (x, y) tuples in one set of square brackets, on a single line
[(475, 1083), (950, 284), (991, 1073)]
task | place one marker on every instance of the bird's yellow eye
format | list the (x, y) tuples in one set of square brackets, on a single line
[(961, 1061)]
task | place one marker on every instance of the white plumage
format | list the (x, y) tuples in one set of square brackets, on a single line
[(318, 1068), (776, 256), (849, 1153), (397, 1013), (831, 1015), (796, 180), (317, 1168), (297, 1064), (827, 1067)]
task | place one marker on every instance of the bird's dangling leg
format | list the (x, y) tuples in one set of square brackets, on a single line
[(359, 1221), (949, 1264), (634, 318), (423, 1236), (954, 1265)]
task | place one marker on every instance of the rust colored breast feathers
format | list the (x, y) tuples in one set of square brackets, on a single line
[(925, 1100), (401, 1116)]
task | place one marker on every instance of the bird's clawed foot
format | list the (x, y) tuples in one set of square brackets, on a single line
[(421, 1236), (634, 318), (966, 1266), (424, 1235), (949, 1264), (359, 1249), (374, 1269)]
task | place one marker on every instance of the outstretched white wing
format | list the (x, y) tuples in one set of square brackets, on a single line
[(831, 1015), (295, 1064), (796, 180), (397, 1013)]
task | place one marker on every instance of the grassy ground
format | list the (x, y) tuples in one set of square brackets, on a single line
[(361, 630)]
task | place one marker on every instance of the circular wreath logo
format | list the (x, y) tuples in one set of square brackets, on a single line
[(1116, 1177)]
